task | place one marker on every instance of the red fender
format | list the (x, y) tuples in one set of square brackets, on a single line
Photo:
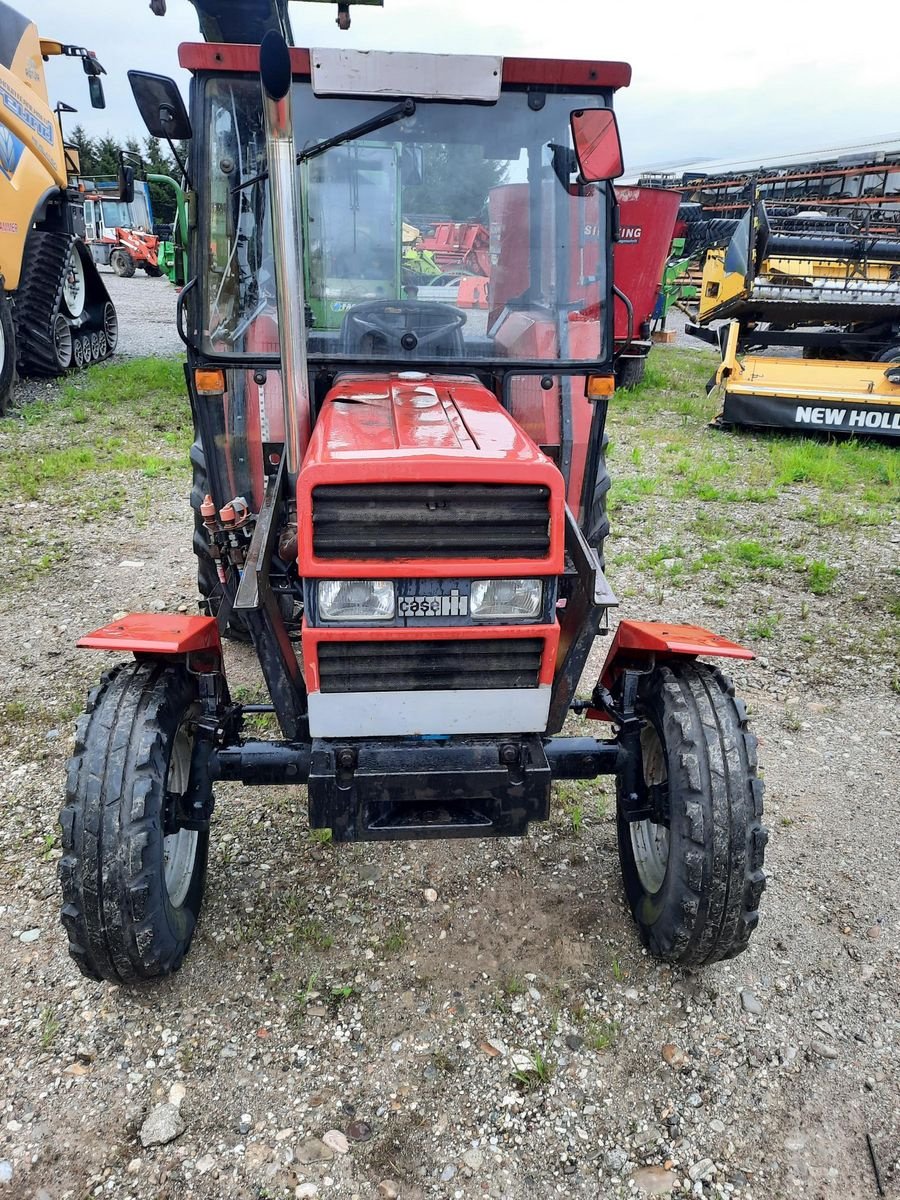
[(156, 634), (639, 640)]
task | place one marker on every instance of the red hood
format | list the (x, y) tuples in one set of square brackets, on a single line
[(408, 427)]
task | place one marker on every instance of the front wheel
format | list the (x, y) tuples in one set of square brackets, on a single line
[(122, 263), (693, 875), (132, 880)]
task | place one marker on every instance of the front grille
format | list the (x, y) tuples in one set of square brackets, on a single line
[(429, 665), (431, 520)]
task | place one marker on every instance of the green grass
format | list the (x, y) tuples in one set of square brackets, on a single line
[(601, 1035), (128, 418), (537, 1074), (846, 482), (820, 577)]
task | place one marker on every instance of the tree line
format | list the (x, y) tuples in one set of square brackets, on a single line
[(99, 157)]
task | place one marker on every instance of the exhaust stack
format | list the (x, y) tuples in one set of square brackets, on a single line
[(275, 77)]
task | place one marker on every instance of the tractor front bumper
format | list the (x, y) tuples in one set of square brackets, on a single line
[(421, 788)]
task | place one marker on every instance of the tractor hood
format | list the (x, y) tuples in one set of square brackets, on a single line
[(409, 428)]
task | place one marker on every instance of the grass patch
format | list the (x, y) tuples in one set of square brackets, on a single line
[(131, 418), (537, 1074), (601, 1035), (755, 555), (820, 577)]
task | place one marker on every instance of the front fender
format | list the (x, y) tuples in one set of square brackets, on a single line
[(637, 641)]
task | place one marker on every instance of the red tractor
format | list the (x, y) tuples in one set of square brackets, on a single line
[(405, 516)]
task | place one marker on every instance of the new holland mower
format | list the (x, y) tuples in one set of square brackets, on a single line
[(405, 515)]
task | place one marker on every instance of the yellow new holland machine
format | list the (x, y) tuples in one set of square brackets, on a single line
[(54, 309), (819, 282)]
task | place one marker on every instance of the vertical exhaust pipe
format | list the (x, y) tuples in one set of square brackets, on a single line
[(275, 77)]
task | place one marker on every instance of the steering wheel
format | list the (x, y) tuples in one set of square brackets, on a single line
[(395, 321)]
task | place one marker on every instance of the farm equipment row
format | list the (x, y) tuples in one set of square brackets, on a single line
[(826, 283)]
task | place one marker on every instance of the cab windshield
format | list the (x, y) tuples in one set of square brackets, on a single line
[(458, 233)]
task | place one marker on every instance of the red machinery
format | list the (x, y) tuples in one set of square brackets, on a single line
[(459, 244), (646, 223), (415, 547), (646, 226)]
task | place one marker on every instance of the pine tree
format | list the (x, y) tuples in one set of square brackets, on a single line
[(107, 151), (84, 145), (456, 180), (158, 162)]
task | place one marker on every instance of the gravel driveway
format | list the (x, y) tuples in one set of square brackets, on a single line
[(350, 1018)]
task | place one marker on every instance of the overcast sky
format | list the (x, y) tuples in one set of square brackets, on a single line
[(724, 80)]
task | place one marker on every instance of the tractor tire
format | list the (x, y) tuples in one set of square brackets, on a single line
[(694, 880), (122, 263), (7, 352), (131, 892), (891, 355), (596, 528), (630, 372), (152, 272)]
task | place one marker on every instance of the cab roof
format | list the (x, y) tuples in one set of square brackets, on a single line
[(560, 74)]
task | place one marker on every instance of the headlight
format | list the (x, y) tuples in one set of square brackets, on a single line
[(496, 598), (356, 599)]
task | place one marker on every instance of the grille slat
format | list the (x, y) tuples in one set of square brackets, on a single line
[(429, 665), (453, 520)]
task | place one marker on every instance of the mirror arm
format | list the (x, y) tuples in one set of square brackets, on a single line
[(181, 165)]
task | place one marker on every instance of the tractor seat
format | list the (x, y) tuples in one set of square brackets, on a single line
[(403, 329)]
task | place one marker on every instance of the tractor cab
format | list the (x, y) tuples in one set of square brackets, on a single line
[(496, 148)]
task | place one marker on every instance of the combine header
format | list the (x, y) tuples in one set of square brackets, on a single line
[(821, 282), (405, 515)]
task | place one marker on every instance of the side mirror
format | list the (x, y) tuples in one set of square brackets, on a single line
[(595, 134), (95, 88), (160, 105), (125, 179)]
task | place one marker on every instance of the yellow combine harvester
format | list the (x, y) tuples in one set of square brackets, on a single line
[(54, 310), (821, 283)]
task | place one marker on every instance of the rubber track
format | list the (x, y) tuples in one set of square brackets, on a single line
[(113, 907), (38, 300)]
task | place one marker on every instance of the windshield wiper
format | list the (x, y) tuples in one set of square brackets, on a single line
[(399, 112)]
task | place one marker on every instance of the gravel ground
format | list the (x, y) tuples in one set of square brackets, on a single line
[(349, 1019), (146, 310)]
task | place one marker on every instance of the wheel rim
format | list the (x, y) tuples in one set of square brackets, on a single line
[(110, 326), (74, 286), (62, 341), (78, 352), (179, 848), (649, 841), (86, 350), (95, 346), (101, 340)]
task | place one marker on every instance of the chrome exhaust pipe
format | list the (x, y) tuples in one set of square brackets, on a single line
[(275, 77)]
